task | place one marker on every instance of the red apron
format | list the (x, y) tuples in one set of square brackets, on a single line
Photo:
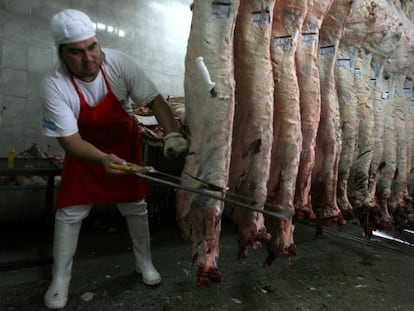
[(111, 129)]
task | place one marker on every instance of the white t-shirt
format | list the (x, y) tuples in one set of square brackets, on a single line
[(126, 79)]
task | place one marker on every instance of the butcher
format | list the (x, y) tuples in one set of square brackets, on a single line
[(87, 108)]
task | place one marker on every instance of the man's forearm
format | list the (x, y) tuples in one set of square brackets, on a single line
[(84, 151), (81, 149), (163, 114)]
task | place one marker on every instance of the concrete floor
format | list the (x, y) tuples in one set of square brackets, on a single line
[(338, 271)]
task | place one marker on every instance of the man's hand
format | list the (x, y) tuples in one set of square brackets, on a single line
[(109, 159), (175, 145)]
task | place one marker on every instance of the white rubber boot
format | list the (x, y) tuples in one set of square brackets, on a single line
[(139, 231), (64, 247)]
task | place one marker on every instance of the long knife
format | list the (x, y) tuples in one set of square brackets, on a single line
[(150, 173)]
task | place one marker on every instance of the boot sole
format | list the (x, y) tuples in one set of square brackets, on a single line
[(152, 283)]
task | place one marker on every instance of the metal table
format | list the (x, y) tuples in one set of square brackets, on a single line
[(45, 167)]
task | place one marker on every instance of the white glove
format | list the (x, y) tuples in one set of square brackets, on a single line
[(174, 145)]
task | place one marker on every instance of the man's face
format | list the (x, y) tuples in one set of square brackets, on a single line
[(82, 58)]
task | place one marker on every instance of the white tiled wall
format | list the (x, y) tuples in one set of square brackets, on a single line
[(155, 34)]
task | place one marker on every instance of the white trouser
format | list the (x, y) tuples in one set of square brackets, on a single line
[(67, 226), (75, 213)]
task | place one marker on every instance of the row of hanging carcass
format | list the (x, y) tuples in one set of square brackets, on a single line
[(302, 106)]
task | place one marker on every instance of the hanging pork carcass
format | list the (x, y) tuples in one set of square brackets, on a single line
[(400, 201), (386, 25), (358, 176), (388, 171), (408, 94), (310, 101), (287, 137), (352, 76), (364, 30), (253, 120), (209, 105), (348, 111), (376, 86), (328, 141), (399, 63), (384, 34), (381, 94), (372, 18), (378, 217), (410, 143), (390, 54)]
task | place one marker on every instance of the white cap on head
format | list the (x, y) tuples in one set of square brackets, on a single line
[(71, 25)]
